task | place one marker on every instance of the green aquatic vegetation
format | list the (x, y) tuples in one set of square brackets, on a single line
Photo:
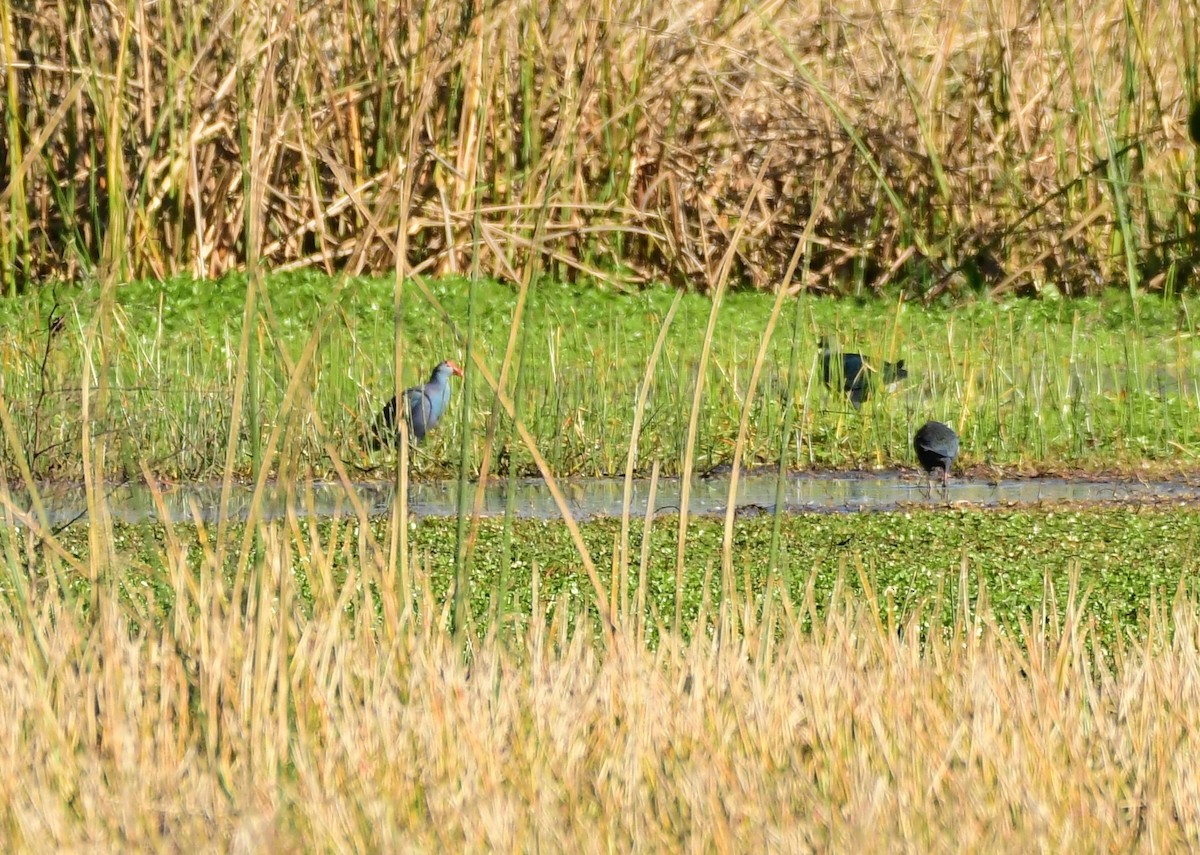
[(920, 560), (1094, 384)]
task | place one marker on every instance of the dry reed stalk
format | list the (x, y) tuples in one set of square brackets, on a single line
[(721, 283), (781, 291), (990, 147), (639, 411)]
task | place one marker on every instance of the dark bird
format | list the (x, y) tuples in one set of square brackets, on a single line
[(424, 405), (856, 372), (936, 445)]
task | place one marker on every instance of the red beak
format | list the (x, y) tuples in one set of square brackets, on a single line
[(454, 366)]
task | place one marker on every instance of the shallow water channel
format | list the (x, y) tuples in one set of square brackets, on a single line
[(834, 492)]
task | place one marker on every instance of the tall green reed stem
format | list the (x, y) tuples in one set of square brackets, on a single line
[(781, 292), (635, 433), (698, 394)]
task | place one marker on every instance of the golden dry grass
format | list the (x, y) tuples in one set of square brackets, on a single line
[(1010, 143), (242, 722)]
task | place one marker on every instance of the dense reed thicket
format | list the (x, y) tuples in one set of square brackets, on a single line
[(1012, 145)]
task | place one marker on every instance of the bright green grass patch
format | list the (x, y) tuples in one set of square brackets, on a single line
[(908, 560), (1093, 384)]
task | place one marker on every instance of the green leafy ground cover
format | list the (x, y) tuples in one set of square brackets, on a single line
[(1089, 384), (919, 560)]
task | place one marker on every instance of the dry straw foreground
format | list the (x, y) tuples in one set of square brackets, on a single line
[(245, 721), (1013, 144)]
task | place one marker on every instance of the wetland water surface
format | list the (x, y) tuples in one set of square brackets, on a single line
[(836, 492)]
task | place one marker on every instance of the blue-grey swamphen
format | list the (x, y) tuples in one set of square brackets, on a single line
[(424, 405), (936, 445), (856, 372)]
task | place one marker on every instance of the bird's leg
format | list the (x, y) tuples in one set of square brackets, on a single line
[(946, 483)]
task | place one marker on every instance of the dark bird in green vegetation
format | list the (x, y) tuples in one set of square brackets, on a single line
[(424, 406), (936, 445), (856, 372)]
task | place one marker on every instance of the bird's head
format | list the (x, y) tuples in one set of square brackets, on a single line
[(450, 367)]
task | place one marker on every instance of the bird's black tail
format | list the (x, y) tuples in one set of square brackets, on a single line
[(383, 430)]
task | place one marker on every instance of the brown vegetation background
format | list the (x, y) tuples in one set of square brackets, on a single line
[(999, 144)]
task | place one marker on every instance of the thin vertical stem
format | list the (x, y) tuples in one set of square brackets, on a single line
[(698, 395)]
